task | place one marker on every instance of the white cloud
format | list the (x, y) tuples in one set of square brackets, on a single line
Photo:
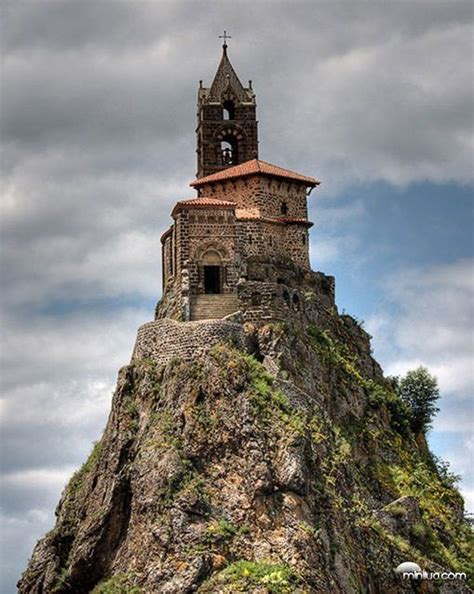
[(433, 327)]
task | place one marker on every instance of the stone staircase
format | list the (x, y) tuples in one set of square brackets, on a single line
[(213, 307)]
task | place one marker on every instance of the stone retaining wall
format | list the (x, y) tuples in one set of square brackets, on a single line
[(166, 339)]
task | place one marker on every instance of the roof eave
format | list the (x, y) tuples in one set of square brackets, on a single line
[(308, 183)]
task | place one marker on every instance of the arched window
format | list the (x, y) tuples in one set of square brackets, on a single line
[(228, 110), (284, 208), (228, 148)]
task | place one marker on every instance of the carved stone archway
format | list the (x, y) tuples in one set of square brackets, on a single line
[(211, 259)]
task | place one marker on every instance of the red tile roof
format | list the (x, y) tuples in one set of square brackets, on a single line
[(253, 167), (295, 220), (203, 202), (253, 214)]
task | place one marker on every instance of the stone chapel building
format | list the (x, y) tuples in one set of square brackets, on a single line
[(240, 245)]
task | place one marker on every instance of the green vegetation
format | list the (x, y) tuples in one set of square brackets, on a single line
[(419, 391), (61, 581), (176, 483), (377, 394), (309, 530), (439, 504), (270, 402), (226, 529), (399, 411), (246, 576), (410, 402), (168, 435), (369, 522), (397, 511), (118, 584), (79, 476), (340, 453), (131, 411), (447, 478), (423, 538)]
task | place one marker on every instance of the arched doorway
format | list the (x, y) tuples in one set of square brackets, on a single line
[(212, 272)]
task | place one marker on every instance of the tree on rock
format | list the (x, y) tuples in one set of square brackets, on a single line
[(419, 389)]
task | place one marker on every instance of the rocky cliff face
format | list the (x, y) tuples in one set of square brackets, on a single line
[(284, 466)]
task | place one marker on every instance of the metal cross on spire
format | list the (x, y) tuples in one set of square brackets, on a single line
[(225, 37)]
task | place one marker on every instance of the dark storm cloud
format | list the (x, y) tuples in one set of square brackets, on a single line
[(98, 118)]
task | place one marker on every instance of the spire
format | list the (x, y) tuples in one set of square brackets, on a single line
[(226, 78), (227, 121)]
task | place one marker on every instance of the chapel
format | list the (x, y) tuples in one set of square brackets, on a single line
[(241, 244)]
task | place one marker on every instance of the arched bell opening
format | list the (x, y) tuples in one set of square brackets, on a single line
[(229, 151), (228, 110)]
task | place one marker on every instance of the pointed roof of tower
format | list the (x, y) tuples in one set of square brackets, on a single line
[(226, 80)]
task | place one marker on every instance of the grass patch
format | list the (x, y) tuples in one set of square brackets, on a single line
[(248, 576), (168, 434), (270, 402), (131, 411), (225, 529), (118, 584), (78, 478), (377, 394)]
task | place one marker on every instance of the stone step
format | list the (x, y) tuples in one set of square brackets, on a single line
[(213, 307)]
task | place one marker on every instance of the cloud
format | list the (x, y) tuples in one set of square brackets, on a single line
[(58, 375), (437, 315), (432, 326)]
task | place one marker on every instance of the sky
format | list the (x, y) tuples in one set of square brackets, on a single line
[(97, 119)]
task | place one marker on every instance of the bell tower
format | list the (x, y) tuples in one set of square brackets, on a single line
[(226, 121)]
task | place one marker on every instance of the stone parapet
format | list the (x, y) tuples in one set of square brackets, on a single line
[(166, 339)]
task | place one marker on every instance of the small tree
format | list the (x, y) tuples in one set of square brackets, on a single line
[(419, 389)]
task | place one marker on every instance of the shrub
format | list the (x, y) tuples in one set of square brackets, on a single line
[(419, 390), (400, 412), (226, 529), (397, 511), (448, 478)]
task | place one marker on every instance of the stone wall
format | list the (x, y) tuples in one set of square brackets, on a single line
[(214, 230), (273, 197), (296, 244), (243, 191), (269, 288), (165, 339), (267, 301), (212, 129)]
